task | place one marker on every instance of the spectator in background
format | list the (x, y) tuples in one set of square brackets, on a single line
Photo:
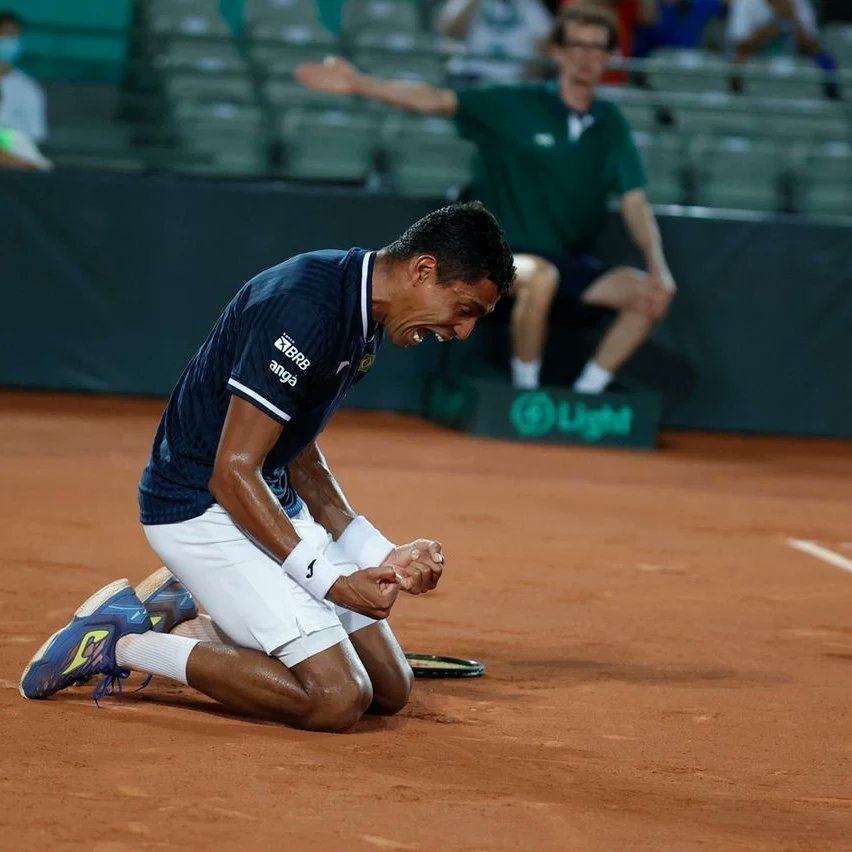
[(679, 23), (505, 29), (630, 14), (778, 27), (22, 107), (551, 156)]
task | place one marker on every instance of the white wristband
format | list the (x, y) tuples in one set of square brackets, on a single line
[(364, 544), (311, 570)]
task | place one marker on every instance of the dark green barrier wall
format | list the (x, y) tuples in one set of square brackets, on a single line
[(111, 282)]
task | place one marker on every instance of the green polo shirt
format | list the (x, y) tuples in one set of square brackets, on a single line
[(548, 192)]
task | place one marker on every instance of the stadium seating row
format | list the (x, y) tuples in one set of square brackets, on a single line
[(231, 107)]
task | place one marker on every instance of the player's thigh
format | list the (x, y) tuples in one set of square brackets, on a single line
[(385, 663), (619, 288), (246, 593)]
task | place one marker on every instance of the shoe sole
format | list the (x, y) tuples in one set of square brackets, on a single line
[(153, 583), (97, 599)]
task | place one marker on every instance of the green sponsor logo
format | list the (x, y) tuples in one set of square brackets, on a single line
[(536, 414), (533, 414)]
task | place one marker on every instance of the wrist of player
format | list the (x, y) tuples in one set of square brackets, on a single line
[(311, 570), (363, 544)]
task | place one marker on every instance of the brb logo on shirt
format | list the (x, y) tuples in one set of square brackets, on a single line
[(291, 351), (284, 376)]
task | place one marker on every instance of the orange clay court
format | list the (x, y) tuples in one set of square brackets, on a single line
[(664, 670)]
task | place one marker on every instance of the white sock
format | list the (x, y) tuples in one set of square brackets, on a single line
[(155, 653), (203, 628), (593, 379), (525, 373)]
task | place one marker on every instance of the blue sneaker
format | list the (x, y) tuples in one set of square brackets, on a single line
[(167, 600), (86, 645)]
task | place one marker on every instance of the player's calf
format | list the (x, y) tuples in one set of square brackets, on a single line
[(327, 692), (392, 692)]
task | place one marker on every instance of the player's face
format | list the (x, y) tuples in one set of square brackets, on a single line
[(585, 55), (449, 311)]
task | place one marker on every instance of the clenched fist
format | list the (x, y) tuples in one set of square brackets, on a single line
[(418, 565)]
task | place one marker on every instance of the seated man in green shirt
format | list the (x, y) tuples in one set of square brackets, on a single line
[(551, 155)]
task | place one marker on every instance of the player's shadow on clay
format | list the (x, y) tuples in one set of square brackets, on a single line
[(149, 701), (578, 670), (188, 701)]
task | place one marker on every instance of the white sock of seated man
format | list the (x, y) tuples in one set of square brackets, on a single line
[(593, 379), (526, 374)]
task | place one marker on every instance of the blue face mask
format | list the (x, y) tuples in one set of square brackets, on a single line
[(10, 49)]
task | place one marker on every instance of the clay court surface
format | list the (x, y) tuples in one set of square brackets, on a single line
[(665, 672)]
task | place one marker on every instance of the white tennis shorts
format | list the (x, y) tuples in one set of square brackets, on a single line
[(248, 594)]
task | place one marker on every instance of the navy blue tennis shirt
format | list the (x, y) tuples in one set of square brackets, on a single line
[(291, 342)]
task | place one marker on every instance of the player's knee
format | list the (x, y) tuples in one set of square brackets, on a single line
[(338, 706), (392, 694)]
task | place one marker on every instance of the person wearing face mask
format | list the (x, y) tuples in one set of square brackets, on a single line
[(240, 504), (22, 105)]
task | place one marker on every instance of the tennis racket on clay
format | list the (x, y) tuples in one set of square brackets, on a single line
[(433, 666)]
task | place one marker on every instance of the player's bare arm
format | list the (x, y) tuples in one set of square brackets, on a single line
[(238, 486), (418, 564), (337, 76), (317, 486)]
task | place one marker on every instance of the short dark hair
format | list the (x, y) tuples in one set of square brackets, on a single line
[(11, 18), (467, 242), (585, 14)]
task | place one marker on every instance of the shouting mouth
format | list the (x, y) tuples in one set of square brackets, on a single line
[(418, 335)]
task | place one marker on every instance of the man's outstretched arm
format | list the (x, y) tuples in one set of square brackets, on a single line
[(339, 77)]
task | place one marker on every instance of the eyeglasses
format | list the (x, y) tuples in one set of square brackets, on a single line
[(590, 46)]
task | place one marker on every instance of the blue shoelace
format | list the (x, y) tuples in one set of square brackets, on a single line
[(111, 681)]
